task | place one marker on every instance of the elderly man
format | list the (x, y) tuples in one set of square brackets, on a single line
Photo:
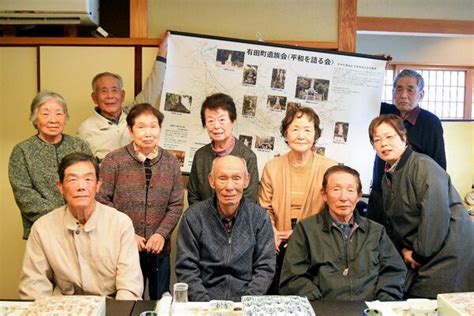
[(84, 247), (225, 243), (106, 129), (424, 131), (339, 255)]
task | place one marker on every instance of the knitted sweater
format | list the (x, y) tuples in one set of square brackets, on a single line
[(124, 187), (198, 185), (33, 172), (275, 189)]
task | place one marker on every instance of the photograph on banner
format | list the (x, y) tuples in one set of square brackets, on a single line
[(265, 80)]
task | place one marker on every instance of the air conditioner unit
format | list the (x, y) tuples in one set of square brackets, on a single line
[(31, 12)]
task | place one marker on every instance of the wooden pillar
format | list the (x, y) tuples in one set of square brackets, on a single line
[(347, 25), (138, 18), (137, 71)]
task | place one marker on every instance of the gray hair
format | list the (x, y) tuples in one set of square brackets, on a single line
[(107, 74), (242, 159), (41, 98), (412, 74)]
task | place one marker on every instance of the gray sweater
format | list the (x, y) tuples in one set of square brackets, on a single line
[(198, 185), (33, 172), (217, 265)]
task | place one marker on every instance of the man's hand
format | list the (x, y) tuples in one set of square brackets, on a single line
[(408, 258), (163, 50), (140, 242), (155, 244)]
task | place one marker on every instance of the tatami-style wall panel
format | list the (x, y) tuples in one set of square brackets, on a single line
[(302, 20), (17, 88), (69, 71)]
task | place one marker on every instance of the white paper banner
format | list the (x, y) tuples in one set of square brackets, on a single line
[(264, 80)]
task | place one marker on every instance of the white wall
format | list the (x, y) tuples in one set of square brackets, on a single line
[(427, 9), (296, 20), (420, 49)]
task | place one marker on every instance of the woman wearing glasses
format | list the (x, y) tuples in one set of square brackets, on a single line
[(425, 216)]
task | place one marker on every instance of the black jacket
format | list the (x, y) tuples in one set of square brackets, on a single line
[(319, 265)]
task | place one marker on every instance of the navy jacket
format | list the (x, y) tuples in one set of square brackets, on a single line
[(222, 266)]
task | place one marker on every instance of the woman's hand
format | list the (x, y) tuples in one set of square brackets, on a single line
[(140, 242), (281, 236), (155, 244), (284, 235), (408, 258)]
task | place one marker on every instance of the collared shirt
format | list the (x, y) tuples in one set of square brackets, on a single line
[(142, 156), (63, 257), (391, 168), (346, 229), (111, 120), (412, 116), (228, 223), (146, 159)]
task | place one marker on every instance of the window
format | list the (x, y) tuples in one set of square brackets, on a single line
[(448, 90), (387, 86)]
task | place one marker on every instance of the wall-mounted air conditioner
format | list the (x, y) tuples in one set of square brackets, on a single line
[(30, 12)]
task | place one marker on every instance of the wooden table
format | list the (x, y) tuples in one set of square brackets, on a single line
[(321, 308)]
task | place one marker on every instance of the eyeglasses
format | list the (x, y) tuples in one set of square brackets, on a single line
[(377, 141)]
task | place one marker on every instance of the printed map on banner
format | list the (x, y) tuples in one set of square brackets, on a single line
[(265, 80)]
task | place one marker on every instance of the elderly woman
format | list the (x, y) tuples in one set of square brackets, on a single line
[(33, 167), (144, 181), (340, 255), (218, 116), (425, 217), (291, 184)]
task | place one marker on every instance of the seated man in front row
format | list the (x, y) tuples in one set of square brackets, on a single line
[(339, 255), (84, 247), (225, 243)]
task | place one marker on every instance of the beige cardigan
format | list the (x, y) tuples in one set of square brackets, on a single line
[(275, 194)]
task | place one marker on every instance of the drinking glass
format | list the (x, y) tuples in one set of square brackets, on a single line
[(180, 293)]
